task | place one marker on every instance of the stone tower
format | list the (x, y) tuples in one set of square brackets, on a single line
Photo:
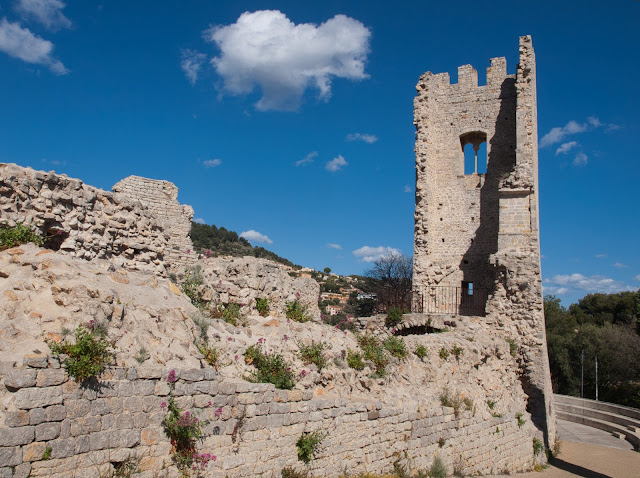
[(477, 241)]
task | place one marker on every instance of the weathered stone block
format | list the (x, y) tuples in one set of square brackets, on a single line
[(19, 418), (36, 360), (50, 377), (56, 413), (28, 398), (47, 431), (77, 408), (17, 436), (10, 456), (33, 451), (62, 448), (20, 378)]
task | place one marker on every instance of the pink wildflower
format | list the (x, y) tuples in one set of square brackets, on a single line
[(171, 378)]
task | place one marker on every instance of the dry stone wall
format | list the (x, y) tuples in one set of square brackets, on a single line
[(161, 197), (81, 220), (483, 229), (253, 428), (242, 280), (140, 226)]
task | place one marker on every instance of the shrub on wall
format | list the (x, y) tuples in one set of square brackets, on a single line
[(87, 357), (270, 368), (17, 235)]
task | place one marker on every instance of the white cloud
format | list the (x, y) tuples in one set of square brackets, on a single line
[(336, 164), (199, 220), (191, 62), (637, 277), (566, 147), (367, 138), (601, 256), (372, 254), (581, 283), (620, 265), (47, 12), (407, 188), (335, 246), (20, 43), (308, 159), (212, 163), (267, 50), (593, 121), (255, 236), (581, 159)]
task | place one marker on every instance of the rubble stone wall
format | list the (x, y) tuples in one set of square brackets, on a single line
[(140, 226), (242, 280), (161, 197), (484, 228), (82, 220), (253, 428)]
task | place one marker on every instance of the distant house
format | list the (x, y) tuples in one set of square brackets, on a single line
[(367, 296), (305, 274), (334, 309)]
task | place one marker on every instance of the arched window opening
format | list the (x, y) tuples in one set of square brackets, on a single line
[(469, 159), (474, 148), (482, 158)]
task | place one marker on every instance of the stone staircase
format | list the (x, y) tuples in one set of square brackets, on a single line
[(622, 422)]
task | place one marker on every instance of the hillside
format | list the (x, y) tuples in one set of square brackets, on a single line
[(222, 242)]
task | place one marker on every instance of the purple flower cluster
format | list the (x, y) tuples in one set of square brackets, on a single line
[(201, 460), (171, 378), (186, 420)]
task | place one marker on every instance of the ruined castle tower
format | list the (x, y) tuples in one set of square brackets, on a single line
[(477, 241)]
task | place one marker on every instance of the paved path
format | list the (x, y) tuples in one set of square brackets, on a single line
[(590, 453)]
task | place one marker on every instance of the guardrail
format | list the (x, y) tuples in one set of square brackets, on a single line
[(623, 422)]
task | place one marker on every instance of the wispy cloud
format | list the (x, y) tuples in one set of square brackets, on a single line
[(336, 164), (267, 50), (566, 147), (366, 138), (372, 254), (54, 162), (199, 220), (20, 43), (335, 246), (601, 256), (47, 12), (308, 159), (191, 63), (212, 163), (580, 283), (407, 188), (637, 277), (581, 159), (559, 133), (620, 265), (255, 236)]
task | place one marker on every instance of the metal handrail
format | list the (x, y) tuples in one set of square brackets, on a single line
[(450, 300)]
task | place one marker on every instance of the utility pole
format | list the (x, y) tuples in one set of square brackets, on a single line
[(582, 374), (596, 377)]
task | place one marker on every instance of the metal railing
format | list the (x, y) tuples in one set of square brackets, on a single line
[(449, 300)]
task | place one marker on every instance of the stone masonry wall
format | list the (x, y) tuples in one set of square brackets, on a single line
[(483, 228), (139, 226), (81, 220), (161, 197), (253, 428), (242, 280)]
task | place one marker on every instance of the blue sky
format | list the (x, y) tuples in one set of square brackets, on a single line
[(294, 119)]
